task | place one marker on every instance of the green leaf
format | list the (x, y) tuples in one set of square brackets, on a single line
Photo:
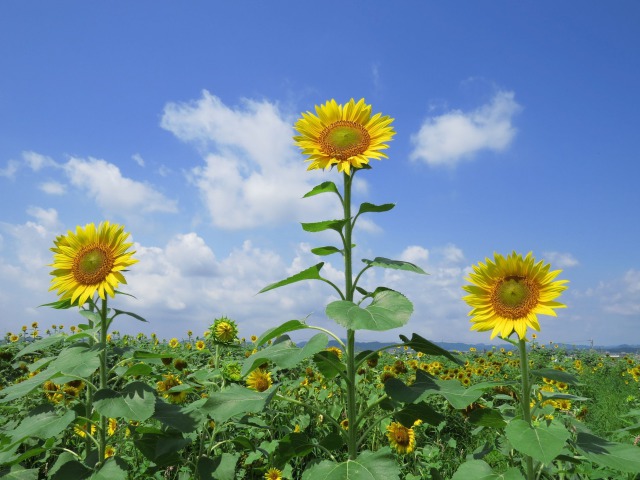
[(328, 250), (59, 305), (557, 375), (420, 344), (618, 456), (221, 467), (113, 469), (328, 364), (72, 469), (138, 369), (285, 354), (311, 273), (286, 327), (30, 474), (418, 411), (19, 390), (389, 309), (380, 465), (91, 316), (487, 417), (324, 187), (160, 447), (236, 400), (174, 416), (481, 470), (79, 360), (293, 445), (394, 264), (41, 344), (543, 442), (313, 227), (370, 207), (136, 402), (131, 314), (42, 424)]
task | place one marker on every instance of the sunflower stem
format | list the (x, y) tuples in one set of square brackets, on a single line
[(102, 431), (525, 398), (352, 442)]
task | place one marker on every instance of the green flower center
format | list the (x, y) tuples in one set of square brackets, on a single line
[(92, 264), (344, 139), (515, 297)]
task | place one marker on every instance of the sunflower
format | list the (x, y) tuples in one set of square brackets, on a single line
[(506, 295), (401, 438), (336, 351), (200, 345), (224, 330), (343, 135), (164, 387), (259, 380), (90, 260), (273, 474)]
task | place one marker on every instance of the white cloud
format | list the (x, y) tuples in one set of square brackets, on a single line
[(453, 136), (10, 170), (415, 254), (52, 188), (47, 217), (252, 174), (114, 193), (560, 260), (36, 161), (136, 157)]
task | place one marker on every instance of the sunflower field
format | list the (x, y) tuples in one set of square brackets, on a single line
[(89, 403)]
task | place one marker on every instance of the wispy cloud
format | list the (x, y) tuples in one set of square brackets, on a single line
[(456, 135), (114, 193), (251, 174), (560, 260), (52, 188)]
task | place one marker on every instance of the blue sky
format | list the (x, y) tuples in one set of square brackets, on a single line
[(516, 130)]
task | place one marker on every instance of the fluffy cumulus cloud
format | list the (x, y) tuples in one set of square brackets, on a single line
[(453, 136), (113, 192), (251, 175)]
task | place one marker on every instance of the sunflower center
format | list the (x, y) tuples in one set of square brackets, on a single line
[(402, 438), (344, 139), (92, 264), (515, 297)]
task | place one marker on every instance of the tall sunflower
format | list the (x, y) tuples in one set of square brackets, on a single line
[(506, 295), (90, 260), (343, 135)]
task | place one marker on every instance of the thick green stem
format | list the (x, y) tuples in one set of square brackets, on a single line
[(102, 433), (525, 398), (352, 409)]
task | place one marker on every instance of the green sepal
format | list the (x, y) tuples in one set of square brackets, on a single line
[(311, 273), (394, 264), (60, 304)]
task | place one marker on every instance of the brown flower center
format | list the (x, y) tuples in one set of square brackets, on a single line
[(92, 264), (515, 297), (344, 139), (261, 383), (401, 436)]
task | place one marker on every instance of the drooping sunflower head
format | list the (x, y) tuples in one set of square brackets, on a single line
[(343, 135), (507, 294), (259, 380), (90, 260), (401, 438), (224, 330)]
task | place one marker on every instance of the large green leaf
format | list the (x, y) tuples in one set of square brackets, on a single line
[(236, 400), (418, 411), (174, 416), (41, 344), (543, 442), (286, 327), (420, 344), (21, 474), (481, 470), (380, 465), (285, 354), (370, 207), (113, 469), (557, 375), (161, 447), (79, 360), (487, 417), (329, 364), (618, 456), (42, 423), (221, 467), (394, 264), (313, 227), (324, 187), (135, 402), (389, 309), (19, 390), (311, 273)]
